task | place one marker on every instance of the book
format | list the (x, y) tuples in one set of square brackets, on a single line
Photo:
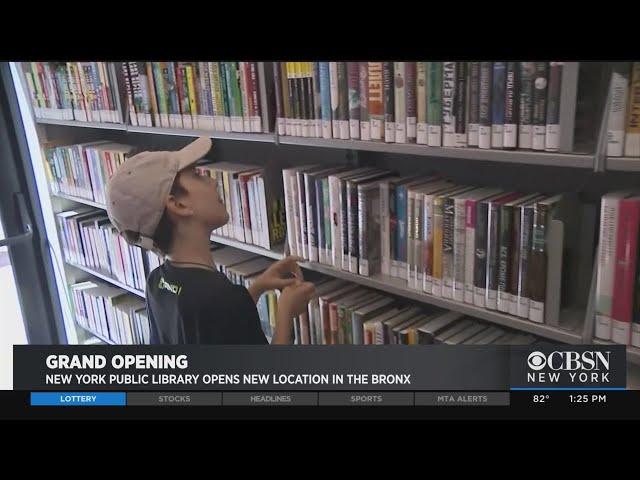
[(388, 86), (363, 313), (400, 102), (343, 101), (353, 74), (369, 231), (511, 105), (326, 100), (474, 104), (376, 100), (552, 133), (540, 105), (365, 123), (497, 104), (465, 334), (434, 103), (448, 99), (632, 133), (421, 103), (411, 106), (428, 332), (317, 100), (460, 113), (522, 295), (527, 78), (485, 115)]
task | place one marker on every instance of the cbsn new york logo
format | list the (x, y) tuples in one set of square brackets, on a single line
[(587, 366)]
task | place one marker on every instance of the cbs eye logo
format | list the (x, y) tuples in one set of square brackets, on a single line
[(537, 361)]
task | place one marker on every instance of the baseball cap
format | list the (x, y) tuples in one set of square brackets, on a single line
[(137, 192)]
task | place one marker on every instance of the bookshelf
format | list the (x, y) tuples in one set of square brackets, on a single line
[(573, 329), (107, 278), (96, 335)]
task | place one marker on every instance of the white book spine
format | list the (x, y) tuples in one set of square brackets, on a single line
[(459, 250), (484, 136), (510, 135), (303, 244), (313, 250), (497, 135), (336, 221), (434, 138), (390, 132), (606, 265), (474, 134), (385, 253), (365, 130), (288, 207)]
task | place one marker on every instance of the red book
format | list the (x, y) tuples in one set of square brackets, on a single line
[(625, 269)]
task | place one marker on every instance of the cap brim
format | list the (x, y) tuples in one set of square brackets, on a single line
[(193, 152)]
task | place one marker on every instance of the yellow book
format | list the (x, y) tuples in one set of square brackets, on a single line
[(273, 309), (191, 91)]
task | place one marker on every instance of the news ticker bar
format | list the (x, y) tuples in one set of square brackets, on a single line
[(297, 398)]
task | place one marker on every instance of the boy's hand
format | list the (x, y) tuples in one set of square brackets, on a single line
[(294, 299), (281, 274)]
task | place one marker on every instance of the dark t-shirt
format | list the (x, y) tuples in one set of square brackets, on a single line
[(199, 306)]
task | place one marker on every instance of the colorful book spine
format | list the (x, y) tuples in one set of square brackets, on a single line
[(434, 103), (400, 100), (497, 104), (552, 133), (625, 270), (527, 78), (474, 103), (410, 74), (632, 134), (421, 103), (448, 99), (511, 104), (376, 100), (389, 102), (170, 80), (365, 123), (448, 241), (325, 99), (353, 84), (539, 105), (485, 116)]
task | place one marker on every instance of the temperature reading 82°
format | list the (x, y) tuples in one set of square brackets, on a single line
[(540, 398)]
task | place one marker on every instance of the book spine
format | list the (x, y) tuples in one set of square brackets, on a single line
[(434, 103), (280, 113), (527, 77), (388, 87), (474, 103), (421, 103), (538, 263), (335, 99), (497, 104), (410, 74), (319, 220), (418, 247), (246, 95), (427, 235), (246, 215), (284, 127), (184, 106), (393, 230), (504, 258), (128, 88), (302, 213), (293, 99), (493, 232), (411, 270), (470, 247), (343, 102), (539, 105), (171, 83), (353, 84), (552, 133), (448, 98), (326, 99), (303, 97), (524, 275), (632, 134), (353, 232), (225, 96), (448, 235), (328, 235), (485, 116), (336, 221), (625, 270), (514, 261), (385, 257), (460, 105), (401, 233), (365, 123), (400, 101), (362, 240), (317, 101), (480, 266), (308, 69), (376, 100), (438, 240), (310, 200), (459, 249), (511, 105), (256, 111), (233, 70)]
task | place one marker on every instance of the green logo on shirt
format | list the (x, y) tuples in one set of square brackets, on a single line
[(175, 289)]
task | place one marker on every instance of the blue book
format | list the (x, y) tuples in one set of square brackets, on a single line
[(325, 99), (497, 104)]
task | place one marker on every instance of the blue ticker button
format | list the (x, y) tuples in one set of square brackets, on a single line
[(78, 399)]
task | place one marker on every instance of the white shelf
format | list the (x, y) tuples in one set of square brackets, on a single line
[(623, 164), (108, 278), (276, 254), (76, 123), (97, 335), (633, 353), (490, 155), (84, 201)]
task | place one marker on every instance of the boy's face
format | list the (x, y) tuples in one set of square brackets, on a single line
[(202, 198)]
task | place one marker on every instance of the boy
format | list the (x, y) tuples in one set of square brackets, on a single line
[(157, 200)]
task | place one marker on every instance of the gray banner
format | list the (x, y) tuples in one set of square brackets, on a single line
[(380, 399), (270, 398), (179, 399), (457, 399)]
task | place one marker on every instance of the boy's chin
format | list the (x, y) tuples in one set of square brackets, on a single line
[(222, 222)]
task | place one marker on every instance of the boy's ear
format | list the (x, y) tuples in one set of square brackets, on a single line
[(176, 205)]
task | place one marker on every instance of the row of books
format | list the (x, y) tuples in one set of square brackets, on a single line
[(90, 239), (82, 170), (82, 91), (450, 104), (618, 280), (254, 202), (482, 246), (222, 96), (624, 113), (111, 312)]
